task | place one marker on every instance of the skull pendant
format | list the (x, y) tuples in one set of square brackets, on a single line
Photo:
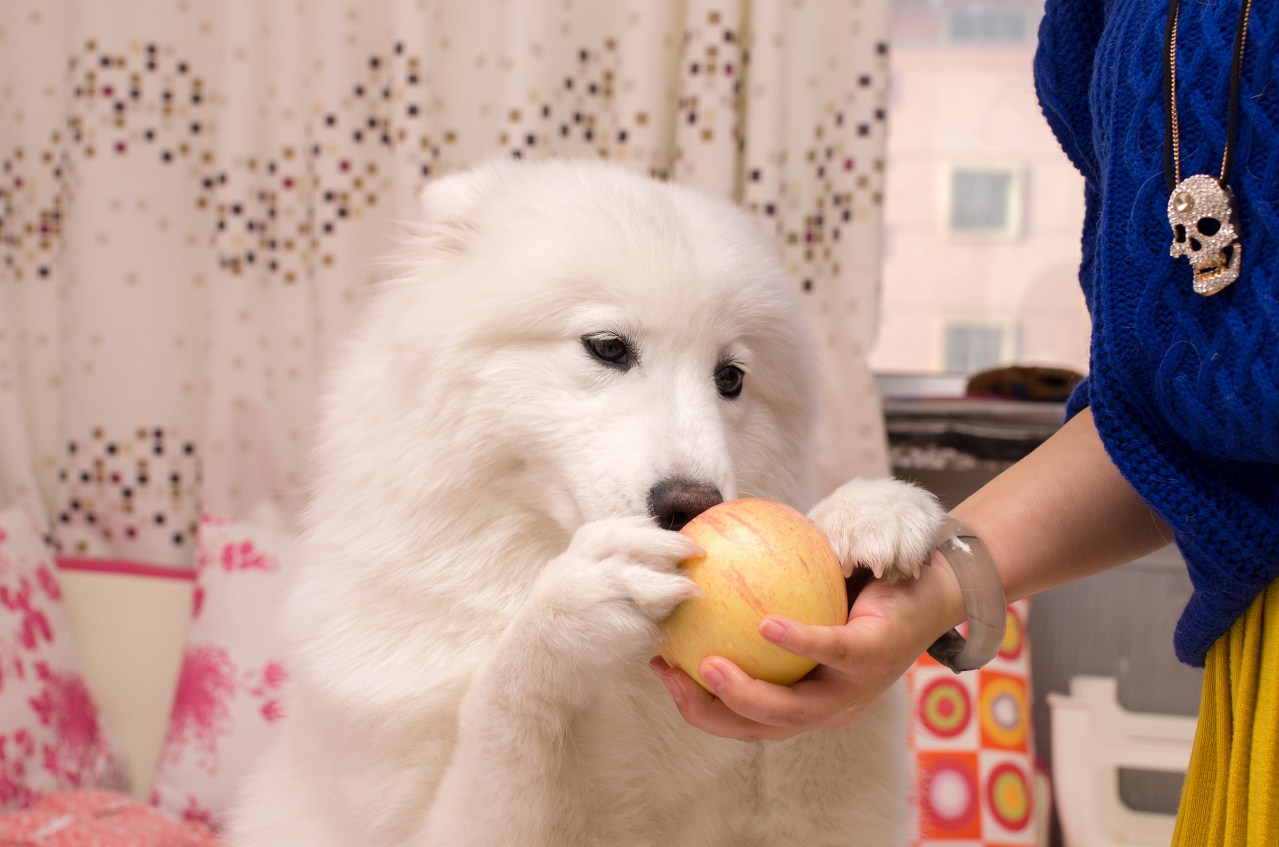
[(1202, 213)]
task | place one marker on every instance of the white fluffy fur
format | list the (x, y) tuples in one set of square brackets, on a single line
[(468, 639)]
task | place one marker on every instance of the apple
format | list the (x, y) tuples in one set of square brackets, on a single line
[(761, 558)]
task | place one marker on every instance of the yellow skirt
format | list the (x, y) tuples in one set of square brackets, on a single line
[(1231, 794)]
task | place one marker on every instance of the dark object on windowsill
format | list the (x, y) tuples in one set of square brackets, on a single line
[(1020, 382)]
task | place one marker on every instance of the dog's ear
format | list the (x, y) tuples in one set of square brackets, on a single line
[(449, 204)]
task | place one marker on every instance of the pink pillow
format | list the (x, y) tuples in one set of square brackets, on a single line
[(50, 735), (99, 819), (974, 748), (228, 698)]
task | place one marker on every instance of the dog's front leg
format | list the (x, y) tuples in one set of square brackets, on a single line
[(518, 776)]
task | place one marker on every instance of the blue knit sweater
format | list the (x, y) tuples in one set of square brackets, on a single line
[(1184, 389)]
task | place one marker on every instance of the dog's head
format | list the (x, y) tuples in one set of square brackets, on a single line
[(571, 338)]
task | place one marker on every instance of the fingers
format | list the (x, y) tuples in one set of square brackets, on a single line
[(786, 708), (710, 714), (827, 645), (748, 709), (849, 675)]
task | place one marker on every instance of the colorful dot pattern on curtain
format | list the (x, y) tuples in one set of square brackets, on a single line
[(194, 198), (975, 749)]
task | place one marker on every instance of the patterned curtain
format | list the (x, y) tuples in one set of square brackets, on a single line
[(194, 197)]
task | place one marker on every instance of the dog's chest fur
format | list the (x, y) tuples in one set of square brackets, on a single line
[(645, 770)]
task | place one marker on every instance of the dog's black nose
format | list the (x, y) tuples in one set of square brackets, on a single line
[(674, 502)]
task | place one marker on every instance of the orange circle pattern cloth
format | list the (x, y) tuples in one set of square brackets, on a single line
[(974, 748)]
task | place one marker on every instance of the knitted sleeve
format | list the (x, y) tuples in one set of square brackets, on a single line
[(1063, 68)]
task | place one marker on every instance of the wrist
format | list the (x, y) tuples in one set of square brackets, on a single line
[(948, 595), (933, 602), (964, 555)]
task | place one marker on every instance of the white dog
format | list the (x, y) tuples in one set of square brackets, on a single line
[(573, 358)]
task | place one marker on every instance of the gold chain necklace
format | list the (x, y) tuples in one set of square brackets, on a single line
[(1201, 208)]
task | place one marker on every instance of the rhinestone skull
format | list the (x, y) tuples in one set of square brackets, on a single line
[(1202, 214)]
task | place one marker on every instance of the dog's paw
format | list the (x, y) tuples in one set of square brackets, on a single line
[(616, 580), (886, 525)]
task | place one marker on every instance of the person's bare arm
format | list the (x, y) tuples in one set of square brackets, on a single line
[(1060, 514)]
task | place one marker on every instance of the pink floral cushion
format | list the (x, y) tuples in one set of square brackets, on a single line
[(50, 736), (98, 819), (974, 748), (229, 689)]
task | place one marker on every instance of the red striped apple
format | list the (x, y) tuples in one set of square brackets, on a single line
[(762, 558)]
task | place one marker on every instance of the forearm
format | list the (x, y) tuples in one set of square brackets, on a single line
[(1061, 513)]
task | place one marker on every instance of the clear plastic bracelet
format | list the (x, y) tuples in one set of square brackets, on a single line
[(984, 600)]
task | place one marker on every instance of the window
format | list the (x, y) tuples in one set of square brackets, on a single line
[(977, 25), (975, 347), (984, 201)]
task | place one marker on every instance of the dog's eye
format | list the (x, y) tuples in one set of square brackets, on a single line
[(728, 380), (609, 349)]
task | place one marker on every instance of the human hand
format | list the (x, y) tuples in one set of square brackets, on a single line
[(888, 628)]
